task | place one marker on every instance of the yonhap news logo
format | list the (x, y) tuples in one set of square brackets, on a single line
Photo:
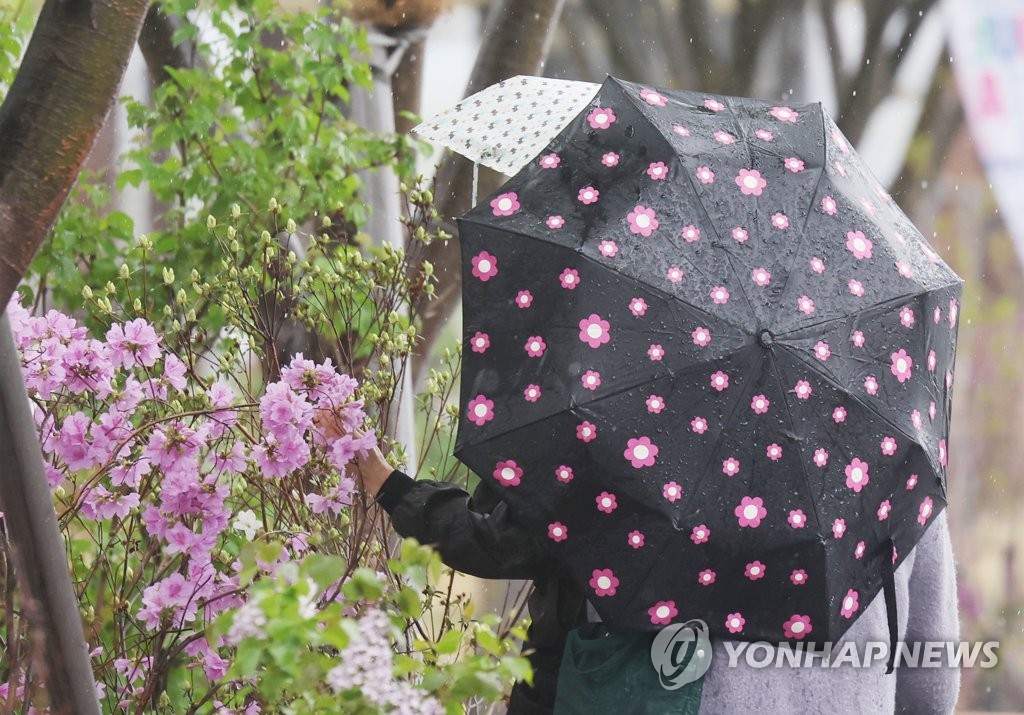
[(681, 653)]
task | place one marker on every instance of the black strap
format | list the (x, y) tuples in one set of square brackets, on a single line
[(889, 589)]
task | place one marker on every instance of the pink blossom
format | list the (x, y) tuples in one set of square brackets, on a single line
[(911, 482), (829, 206), (505, 204), (724, 138), (608, 249), (671, 491), (915, 419), (601, 118), (942, 453), (655, 404), (794, 164), (797, 519), (803, 389), (563, 474), (932, 361), (820, 457), (554, 222), (780, 220), (480, 342), (857, 475), (883, 510), (750, 512), (924, 511), (674, 274), (858, 244), (594, 330), (856, 288), (838, 528), (754, 570), (706, 577), (557, 531), (610, 159), (871, 384), (690, 233), (888, 446), (550, 161), (719, 380), (740, 234), (480, 410), (535, 346), (797, 627), (839, 414), (588, 195), (642, 220), (822, 351), (485, 266), (857, 338), (586, 431), (701, 337), (641, 452), (663, 612), (699, 425), (760, 404), (719, 295), (858, 551), (569, 278), (657, 171), (524, 299), (635, 539), (850, 605), (798, 577), (751, 182), (700, 534), (604, 582), (591, 379), (655, 352), (133, 343), (764, 135), (817, 265), (774, 452), (907, 317), (508, 473), (761, 277), (734, 622), (606, 502), (953, 312), (681, 130), (785, 114), (705, 175)]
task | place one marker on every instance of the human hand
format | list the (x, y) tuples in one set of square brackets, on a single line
[(373, 469)]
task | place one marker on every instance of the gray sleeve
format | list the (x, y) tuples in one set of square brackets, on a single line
[(933, 615)]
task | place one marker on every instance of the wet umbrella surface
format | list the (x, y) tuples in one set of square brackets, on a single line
[(709, 360)]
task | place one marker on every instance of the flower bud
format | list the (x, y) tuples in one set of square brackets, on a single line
[(290, 227), (272, 204), (232, 232), (236, 211), (137, 305), (168, 276), (211, 222), (123, 271), (87, 292)]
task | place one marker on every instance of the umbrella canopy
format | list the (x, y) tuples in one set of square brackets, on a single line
[(709, 359), (506, 124)]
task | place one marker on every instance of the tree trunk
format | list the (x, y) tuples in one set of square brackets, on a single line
[(49, 120)]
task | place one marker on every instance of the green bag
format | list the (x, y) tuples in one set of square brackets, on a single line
[(604, 672)]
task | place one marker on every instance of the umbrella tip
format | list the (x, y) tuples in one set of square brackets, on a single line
[(765, 338)]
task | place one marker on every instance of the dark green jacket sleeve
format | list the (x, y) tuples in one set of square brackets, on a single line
[(474, 534)]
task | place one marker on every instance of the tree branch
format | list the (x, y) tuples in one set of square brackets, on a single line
[(159, 49)]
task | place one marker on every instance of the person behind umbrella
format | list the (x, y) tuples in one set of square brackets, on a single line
[(476, 534)]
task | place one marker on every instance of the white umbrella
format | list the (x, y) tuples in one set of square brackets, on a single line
[(509, 123)]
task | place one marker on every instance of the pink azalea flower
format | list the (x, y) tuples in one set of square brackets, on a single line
[(705, 175), (883, 510), (604, 582), (719, 295), (700, 534), (480, 342), (653, 98), (907, 317), (719, 380), (690, 233), (481, 410), (505, 204), (750, 512), (642, 220), (601, 118), (888, 446), (857, 475), (856, 288), (637, 306), (699, 425), (817, 265), (839, 414), (550, 161), (535, 346), (803, 390), (532, 393), (672, 491), (822, 351), (829, 206), (557, 531), (857, 338), (701, 337), (508, 473), (858, 244), (730, 467), (610, 159), (133, 343), (588, 195), (655, 352), (554, 222), (838, 528), (754, 570), (674, 274), (641, 452), (851, 603), (797, 519), (564, 474), (586, 431), (591, 379), (785, 114), (924, 511), (794, 164), (485, 266), (569, 278), (798, 577), (655, 404), (713, 104), (764, 135), (871, 384), (681, 130), (740, 234), (657, 171), (635, 539), (735, 622), (606, 502), (594, 330), (820, 457), (706, 577), (751, 182), (774, 452), (724, 138), (780, 220), (663, 612), (608, 249), (524, 299), (797, 627), (761, 277), (760, 404)]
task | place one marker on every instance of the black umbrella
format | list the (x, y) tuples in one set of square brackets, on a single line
[(708, 357)]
